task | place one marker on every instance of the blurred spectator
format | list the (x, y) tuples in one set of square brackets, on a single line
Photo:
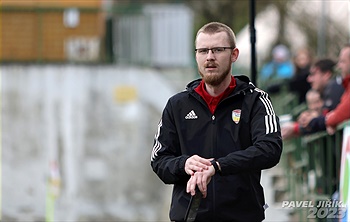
[(315, 106), (314, 109), (276, 72), (342, 111), (299, 84), (314, 101), (322, 79)]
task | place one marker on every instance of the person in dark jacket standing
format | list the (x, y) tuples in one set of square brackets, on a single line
[(218, 135)]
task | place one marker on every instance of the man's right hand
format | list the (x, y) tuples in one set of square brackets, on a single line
[(200, 179), (196, 163)]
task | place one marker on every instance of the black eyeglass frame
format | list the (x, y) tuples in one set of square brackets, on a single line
[(212, 49)]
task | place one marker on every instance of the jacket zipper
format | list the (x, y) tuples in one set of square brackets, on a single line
[(214, 145), (213, 121)]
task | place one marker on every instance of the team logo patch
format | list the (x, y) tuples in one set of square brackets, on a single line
[(236, 115)]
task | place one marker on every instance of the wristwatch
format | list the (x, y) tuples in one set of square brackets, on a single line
[(216, 166)]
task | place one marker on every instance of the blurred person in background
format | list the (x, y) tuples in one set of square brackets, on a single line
[(315, 105), (217, 135), (298, 84), (341, 113), (314, 109), (323, 80), (314, 101), (275, 73)]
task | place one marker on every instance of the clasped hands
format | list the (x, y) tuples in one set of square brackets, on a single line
[(201, 171)]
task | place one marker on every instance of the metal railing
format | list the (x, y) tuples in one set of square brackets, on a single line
[(312, 166)]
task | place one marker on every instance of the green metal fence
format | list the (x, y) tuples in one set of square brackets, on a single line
[(312, 166)]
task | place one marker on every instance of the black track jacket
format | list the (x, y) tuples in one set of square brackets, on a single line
[(243, 135)]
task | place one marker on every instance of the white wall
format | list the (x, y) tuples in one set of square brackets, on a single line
[(97, 123)]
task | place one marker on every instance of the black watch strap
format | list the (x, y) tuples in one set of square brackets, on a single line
[(215, 165)]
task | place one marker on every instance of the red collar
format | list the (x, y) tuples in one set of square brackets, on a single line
[(211, 101), (346, 81)]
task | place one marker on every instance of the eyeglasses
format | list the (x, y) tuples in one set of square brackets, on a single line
[(216, 50)]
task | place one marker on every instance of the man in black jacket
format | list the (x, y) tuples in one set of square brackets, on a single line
[(217, 135)]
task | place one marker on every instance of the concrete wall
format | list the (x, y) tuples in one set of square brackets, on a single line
[(76, 142)]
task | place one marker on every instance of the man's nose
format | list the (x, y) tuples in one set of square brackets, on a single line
[(309, 79), (210, 55)]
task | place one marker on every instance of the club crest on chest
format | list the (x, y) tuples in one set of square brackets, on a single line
[(236, 115)]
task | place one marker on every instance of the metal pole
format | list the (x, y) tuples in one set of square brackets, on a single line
[(321, 40), (252, 41)]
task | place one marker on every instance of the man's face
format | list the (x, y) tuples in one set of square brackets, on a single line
[(344, 62), (214, 67), (317, 79), (314, 101)]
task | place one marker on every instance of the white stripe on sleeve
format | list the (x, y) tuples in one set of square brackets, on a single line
[(270, 118), (157, 145)]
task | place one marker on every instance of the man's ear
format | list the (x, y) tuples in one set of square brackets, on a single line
[(329, 74), (234, 55)]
